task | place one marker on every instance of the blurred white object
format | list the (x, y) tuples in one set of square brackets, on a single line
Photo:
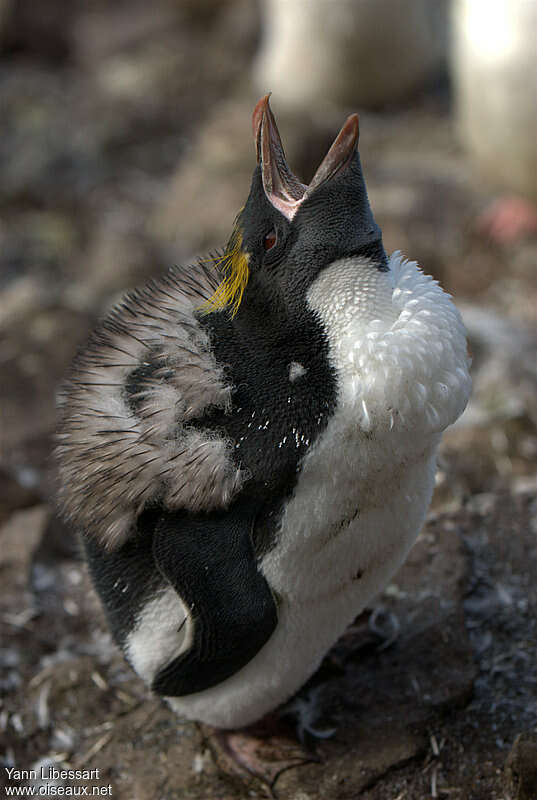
[(349, 52), (494, 62)]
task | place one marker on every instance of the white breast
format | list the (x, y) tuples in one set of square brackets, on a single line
[(398, 346)]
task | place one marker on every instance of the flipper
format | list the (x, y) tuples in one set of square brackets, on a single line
[(210, 562)]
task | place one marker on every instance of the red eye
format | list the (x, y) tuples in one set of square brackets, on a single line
[(270, 240)]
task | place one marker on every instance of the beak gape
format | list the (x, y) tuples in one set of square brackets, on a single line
[(283, 189)]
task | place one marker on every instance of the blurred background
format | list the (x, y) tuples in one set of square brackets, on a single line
[(125, 146)]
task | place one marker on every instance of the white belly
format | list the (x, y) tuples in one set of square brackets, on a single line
[(342, 537)]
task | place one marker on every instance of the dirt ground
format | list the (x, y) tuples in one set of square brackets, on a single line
[(125, 147)]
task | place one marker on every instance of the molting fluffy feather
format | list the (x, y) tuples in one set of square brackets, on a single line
[(131, 446)]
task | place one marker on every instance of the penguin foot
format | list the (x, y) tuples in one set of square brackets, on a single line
[(263, 750), (509, 219)]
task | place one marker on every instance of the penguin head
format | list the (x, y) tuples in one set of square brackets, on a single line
[(288, 232)]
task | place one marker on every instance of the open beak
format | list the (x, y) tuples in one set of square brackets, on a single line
[(283, 189)]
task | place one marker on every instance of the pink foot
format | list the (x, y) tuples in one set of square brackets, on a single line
[(263, 750), (508, 219)]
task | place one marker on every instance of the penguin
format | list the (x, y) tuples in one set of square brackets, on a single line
[(246, 445), (353, 51), (494, 46)]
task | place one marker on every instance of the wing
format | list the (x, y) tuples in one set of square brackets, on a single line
[(184, 597), (124, 436), (210, 562)]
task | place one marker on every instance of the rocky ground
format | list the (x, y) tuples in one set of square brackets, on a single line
[(126, 146)]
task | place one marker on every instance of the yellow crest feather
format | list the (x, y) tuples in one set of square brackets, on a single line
[(234, 267)]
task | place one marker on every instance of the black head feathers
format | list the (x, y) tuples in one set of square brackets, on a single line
[(288, 231)]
